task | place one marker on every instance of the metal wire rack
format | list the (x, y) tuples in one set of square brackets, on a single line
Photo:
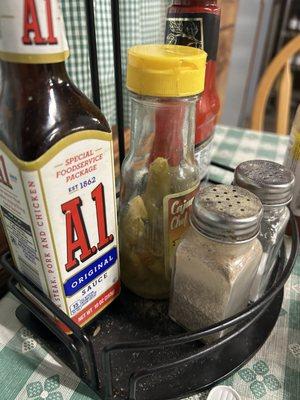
[(138, 352), (142, 354)]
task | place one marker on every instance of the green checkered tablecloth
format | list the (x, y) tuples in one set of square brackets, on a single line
[(27, 371), (141, 22), (233, 146)]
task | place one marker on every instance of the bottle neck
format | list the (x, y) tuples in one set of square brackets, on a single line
[(210, 76), (32, 76), (273, 212), (169, 122)]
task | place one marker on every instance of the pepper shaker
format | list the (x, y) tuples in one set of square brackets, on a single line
[(217, 258), (273, 184)]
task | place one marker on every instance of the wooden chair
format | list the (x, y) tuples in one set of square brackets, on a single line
[(279, 65)]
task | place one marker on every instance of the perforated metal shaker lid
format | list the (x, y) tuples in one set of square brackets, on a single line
[(271, 182), (227, 213)]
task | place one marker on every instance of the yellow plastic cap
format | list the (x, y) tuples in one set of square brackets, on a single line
[(166, 70)]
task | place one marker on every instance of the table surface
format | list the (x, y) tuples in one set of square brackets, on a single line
[(27, 371)]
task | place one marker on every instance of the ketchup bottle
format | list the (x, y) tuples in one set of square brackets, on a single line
[(197, 23)]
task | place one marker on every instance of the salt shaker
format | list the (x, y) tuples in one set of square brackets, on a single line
[(273, 184), (217, 258)]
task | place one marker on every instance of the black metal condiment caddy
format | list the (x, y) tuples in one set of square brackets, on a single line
[(134, 351)]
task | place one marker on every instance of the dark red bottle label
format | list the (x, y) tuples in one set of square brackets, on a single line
[(199, 30)]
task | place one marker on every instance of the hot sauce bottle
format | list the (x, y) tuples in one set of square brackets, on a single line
[(57, 193), (196, 23)]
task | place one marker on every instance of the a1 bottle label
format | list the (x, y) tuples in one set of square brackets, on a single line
[(32, 32), (200, 30), (59, 215)]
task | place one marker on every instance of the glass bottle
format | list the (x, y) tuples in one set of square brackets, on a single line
[(273, 184), (160, 174), (197, 23), (218, 257), (57, 191)]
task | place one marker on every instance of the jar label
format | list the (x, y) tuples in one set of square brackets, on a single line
[(59, 215), (199, 30), (292, 161), (177, 208), (32, 32)]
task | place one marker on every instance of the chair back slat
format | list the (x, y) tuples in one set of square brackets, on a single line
[(280, 64), (284, 100)]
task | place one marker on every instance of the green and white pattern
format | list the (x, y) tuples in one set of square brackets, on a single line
[(141, 22), (47, 390), (233, 146), (260, 380), (27, 371)]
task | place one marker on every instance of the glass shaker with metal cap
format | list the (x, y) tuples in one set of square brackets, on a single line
[(217, 258), (273, 184)]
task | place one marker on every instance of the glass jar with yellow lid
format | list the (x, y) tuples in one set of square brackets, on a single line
[(159, 175)]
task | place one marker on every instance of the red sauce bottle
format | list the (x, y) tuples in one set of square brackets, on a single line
[(197, 23)]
